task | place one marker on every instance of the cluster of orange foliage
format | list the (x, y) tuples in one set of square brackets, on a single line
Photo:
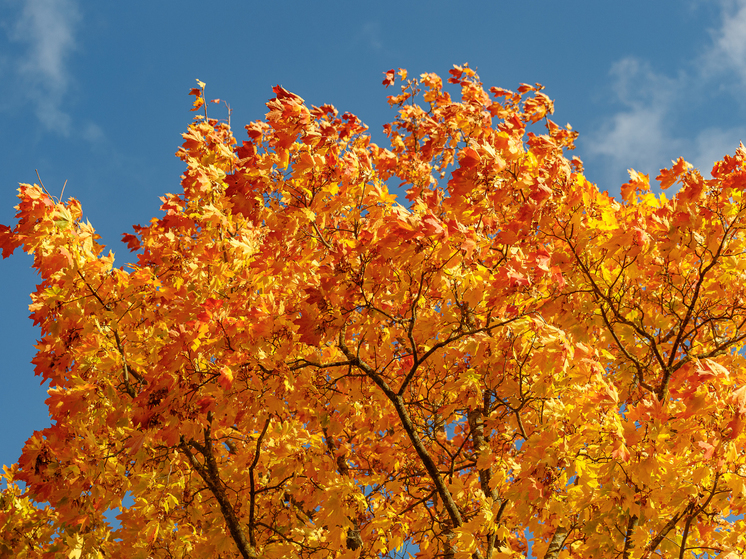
[(300, 366)]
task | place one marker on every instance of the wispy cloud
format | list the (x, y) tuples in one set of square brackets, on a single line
[(634, 138), (645, 134), (728, 50), (47, 28), (711, 144), (371, 35), (638, 135)]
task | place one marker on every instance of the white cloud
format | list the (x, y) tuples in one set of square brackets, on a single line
[(636, 84), (728, 51), (635, 138), (638, 136), (645, 133), (712, 144), (47, 27)]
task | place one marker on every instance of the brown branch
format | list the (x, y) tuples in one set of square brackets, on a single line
[(668, 371), (476, 427), (557, 543), (107, 307), (127, 386), (354, 541), (606, 298), (210, 474), (321, 237), (660, 536), (252, 488), (418, 502), (307, 514), (479, 441), (694, 514), (629, 546), (695, 296), (406, 421), (301, 363), (452, 338)]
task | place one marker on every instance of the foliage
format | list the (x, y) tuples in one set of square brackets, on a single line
[(299, 366)]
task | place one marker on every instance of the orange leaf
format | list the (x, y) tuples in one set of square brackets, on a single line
[(669, 176)]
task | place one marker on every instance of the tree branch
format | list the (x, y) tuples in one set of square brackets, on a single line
[(406, 421), (354, 541), (252, 489), (209, 473), (660, 536), (693, 516), (628, 545), (557, 543)]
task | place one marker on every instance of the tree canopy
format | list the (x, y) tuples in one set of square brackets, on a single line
[(300, 365)]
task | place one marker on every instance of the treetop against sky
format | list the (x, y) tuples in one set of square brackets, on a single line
[(298, 365), (92, 92)]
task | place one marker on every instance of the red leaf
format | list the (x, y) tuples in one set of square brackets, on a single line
[(8, 241), (132, 242), (516, 279), (226, 378), (205, 404), (389, 79)]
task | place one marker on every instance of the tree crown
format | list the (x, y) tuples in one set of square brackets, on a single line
[(300, 366)]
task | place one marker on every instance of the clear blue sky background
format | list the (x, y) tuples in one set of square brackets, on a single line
[(95, 94)]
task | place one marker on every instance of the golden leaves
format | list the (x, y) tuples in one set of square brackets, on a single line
[(515, 350)]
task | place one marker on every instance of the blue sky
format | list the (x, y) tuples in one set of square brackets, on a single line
[(95, 94)]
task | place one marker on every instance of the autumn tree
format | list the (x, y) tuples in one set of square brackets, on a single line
[(301, 365)]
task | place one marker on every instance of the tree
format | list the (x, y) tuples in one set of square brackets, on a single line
[(299, 366)]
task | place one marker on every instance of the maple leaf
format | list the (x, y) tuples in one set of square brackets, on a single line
[(669, 176), (198, 98), (739, 400), (620, 452), (7, 240), (638, 183), (226, 378), (390, 77), (708, 448), (132, 242)]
